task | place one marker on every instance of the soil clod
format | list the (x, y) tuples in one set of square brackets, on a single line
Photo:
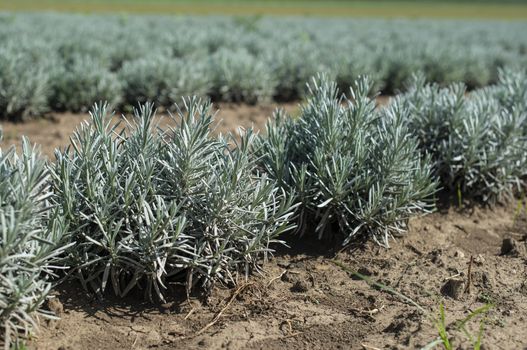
[(300, 286), (397, 326), (454, 288), (512, 247)]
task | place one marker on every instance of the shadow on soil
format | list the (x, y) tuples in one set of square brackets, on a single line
[(73, 297)]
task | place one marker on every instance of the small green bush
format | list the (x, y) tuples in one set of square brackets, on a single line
[(293, 65), (31, 241), (76, 86), (355, 169), (238, 76), (476, 143), (146, 207), (510, 91), (24, 86), (163, 80)]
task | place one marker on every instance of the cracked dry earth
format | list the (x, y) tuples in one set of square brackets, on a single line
[(303, 300)]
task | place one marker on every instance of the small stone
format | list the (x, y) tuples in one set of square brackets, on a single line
[(454, 288), (507, 312), (486, 280), (437, 226), (435, 256), (479, 260), (459, 254), (512, 247), (284, 265)]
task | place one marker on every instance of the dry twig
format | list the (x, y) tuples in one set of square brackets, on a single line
[(275, 278), (220, 313), (469, 275)]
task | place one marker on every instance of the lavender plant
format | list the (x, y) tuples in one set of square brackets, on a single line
[(76, 86), (239, 77), (24, 86), (106, 181), (268, 58), (510, 91), (147, 206), (233, 212), (31, 241), (293, 64), (477, 144), (162, 80), (355, 169)]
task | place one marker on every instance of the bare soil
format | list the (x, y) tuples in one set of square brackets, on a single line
[(303, 299), (53, 130)]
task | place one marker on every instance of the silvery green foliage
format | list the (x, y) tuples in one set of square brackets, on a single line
[(24, 86), (163, 80), (107, 184), (510, 91), (355, 169), (259, 58), (237, 76), (350, 65), (147, 206), (70, 50), (79, 84), (477, 144), (233, 212), (292, 73), (31, 240)]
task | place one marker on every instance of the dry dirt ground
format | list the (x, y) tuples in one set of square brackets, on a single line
[(54, 129), (302, 299)]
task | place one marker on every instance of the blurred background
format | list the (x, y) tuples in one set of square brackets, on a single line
[(59, 57), (506, 9)]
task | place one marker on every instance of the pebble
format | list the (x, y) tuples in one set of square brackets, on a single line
[(459, 254), (479, 260), (487, 281)]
